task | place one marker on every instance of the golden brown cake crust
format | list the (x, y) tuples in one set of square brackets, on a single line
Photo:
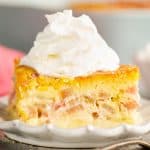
[(27, 78)]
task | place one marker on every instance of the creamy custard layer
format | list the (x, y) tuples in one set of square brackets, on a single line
[(78, 111)]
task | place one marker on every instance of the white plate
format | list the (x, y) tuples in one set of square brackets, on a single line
[(89, 136)]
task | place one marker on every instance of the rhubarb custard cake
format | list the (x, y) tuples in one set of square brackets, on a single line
[(72, 78)]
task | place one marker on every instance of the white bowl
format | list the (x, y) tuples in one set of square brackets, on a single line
[(142, 60)]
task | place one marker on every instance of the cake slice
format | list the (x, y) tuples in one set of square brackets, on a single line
[(72, 78), (103, 99)]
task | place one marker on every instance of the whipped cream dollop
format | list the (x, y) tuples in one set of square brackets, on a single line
[(70, 46)]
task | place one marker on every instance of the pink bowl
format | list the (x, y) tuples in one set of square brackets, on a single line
[(7, 57)]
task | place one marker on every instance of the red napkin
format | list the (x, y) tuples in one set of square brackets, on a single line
[(7, 57)]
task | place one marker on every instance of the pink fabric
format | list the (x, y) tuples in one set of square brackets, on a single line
[(7, 57)]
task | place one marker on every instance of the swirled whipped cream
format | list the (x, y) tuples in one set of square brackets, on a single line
[(70, 46)]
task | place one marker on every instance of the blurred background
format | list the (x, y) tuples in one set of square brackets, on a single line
[(124, 24)]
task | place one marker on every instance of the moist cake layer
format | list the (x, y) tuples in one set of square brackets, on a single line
[(103, 98)]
